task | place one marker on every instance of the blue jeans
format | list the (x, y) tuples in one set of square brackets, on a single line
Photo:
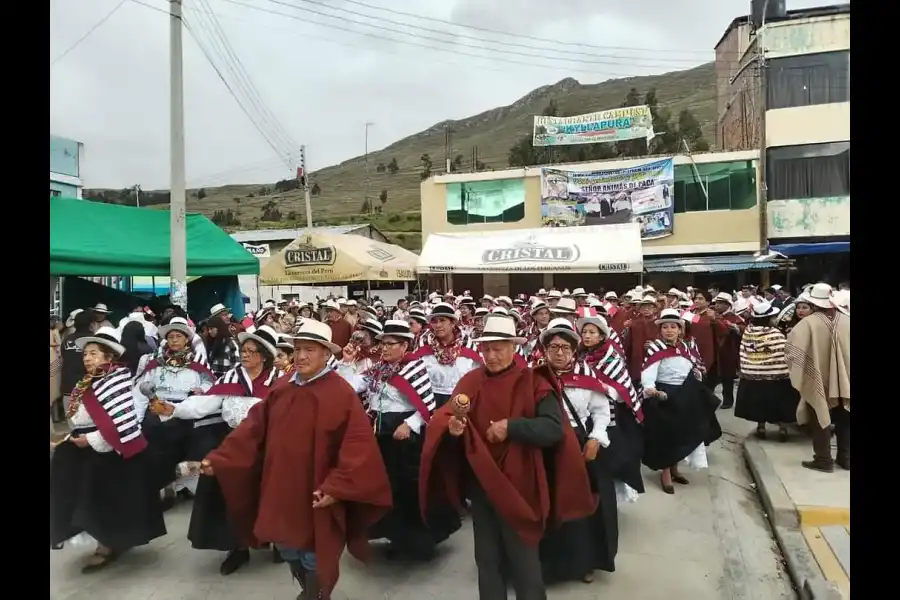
[(292, 555)]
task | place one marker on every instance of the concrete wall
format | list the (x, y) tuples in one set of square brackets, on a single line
[(706, 232)]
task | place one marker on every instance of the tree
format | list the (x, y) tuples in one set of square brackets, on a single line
[(383, 197), (201, 194), (425, 159), (393, 167), (316, 190), (380, 168), (263, 191), (689, 130), (366, 207)]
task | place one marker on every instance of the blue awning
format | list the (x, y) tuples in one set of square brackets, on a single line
[(707, 264), (811, 248)]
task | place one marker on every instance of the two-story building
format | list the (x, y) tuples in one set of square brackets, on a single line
[(65, 167), (804, 56), (715, 216)]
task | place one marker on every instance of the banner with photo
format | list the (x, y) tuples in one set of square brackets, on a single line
[(642, 194), (616, 125)]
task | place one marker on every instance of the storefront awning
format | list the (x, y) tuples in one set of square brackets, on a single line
[(591, 249), (812, 248), (322, 257), (708, 264)]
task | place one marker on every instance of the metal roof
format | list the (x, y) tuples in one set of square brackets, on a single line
[(274, 235), (708, 264)]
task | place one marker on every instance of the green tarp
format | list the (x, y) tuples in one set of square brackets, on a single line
[(96, 239)]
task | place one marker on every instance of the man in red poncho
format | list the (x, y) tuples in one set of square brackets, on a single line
[(303, 469), (494, 456)]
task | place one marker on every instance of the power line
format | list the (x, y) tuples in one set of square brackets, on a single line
[(96, 26), (567, 52), (504, 33), (244, 84)]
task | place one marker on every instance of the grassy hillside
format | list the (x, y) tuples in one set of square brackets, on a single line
[(342, 187)]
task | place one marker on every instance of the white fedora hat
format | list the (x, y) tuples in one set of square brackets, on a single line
[(554, 294), (373, 326), (566, 306), (579, 292), (70, 320), (648, 299), (318, 332), (443, 309), (499, 329), (105, 336), (505, 300), (610, 296), (217, 309), (560, 327), (539, 305), (670, 315), (285, 343), (265, 335), (331, 305), (100, 308), (179, 324), (396, 328), (821, 295), (724, 297), (760, 310), (589, 316)]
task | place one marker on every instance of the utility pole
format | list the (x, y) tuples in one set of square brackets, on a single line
[(447, 148), (367, 202), (304, 181), (177, 233), (137, 196), (474, 159), (762, 191)]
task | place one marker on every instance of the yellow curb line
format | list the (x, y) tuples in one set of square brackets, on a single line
[(828, 562), (822, 516)]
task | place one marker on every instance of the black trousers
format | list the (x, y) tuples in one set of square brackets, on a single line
[(821, 437), (715, 379), (499, 548)]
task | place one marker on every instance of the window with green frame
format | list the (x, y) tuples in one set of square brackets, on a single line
[(730, 186)]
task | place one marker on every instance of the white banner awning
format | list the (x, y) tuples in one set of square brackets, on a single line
[(593, 249)]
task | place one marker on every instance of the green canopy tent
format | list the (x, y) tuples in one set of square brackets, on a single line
[(95, 239)]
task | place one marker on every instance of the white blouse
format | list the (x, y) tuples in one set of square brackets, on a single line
[(172, 385), (82, 420), (388, 399), (672, 371), (589, 403)]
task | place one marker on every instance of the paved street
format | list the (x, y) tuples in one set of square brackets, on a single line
[(709, 541)]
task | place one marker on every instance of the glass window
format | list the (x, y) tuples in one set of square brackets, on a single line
[(809, 79), (808, 171), (715, 186), (496, 201)]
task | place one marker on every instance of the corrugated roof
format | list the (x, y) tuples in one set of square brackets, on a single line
[(272, 235), (707, 264)]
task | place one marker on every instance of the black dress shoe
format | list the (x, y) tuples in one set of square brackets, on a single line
[(276, 556), (824, 466), (843, 462), (234, 561), (680, 479), (667, 488)]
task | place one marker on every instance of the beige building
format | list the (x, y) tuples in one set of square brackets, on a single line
[(807, 67), (715, 215)]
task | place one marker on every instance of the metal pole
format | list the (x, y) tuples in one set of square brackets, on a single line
[(366, 202), (178, 241), (306, 199), (762, 195), (137, 196)]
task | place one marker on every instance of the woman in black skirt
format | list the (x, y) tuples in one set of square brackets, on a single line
[(678, 409), (214, 414), (765, 394), (100, 481), (572, 551)]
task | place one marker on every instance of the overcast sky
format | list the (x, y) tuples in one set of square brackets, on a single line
[(321, 78)]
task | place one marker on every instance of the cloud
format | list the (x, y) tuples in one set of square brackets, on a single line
[(324, 78)]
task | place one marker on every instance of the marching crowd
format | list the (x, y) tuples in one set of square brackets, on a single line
[(315, 429)]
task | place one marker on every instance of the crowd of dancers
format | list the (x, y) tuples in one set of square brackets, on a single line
[(532, 415)]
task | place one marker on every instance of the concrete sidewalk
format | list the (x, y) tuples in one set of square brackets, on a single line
[(809, 511)]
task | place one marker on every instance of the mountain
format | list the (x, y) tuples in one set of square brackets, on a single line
[(341, 188)]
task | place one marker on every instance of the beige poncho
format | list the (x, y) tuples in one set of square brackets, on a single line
[(818, 355)]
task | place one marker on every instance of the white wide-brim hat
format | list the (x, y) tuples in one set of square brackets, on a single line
[(395, 328), (561, 327), (177, 324), (498, 328), (445, 310), (106, 337), (331, 305), (761, 310), (264, 335), (100, 308), (70, 320), (595, 320), (318, 332), (669, 315), (285, 343), (821, 295), (217, 309)]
